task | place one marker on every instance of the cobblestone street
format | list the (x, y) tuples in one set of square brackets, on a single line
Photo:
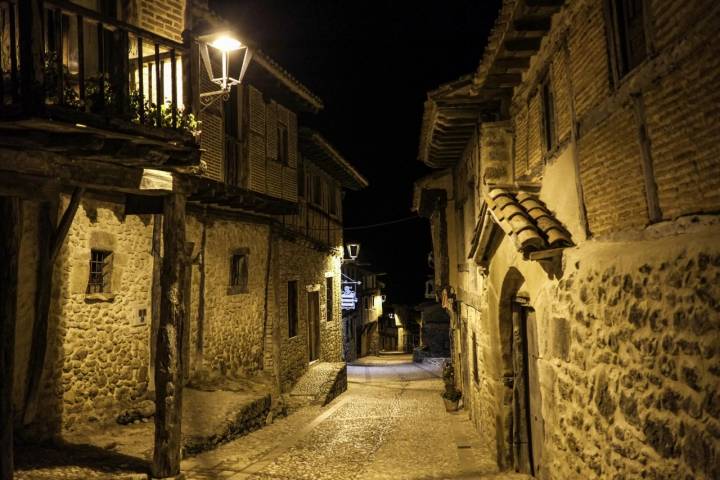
[(390, 424)]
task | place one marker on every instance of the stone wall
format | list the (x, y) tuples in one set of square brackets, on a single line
[(309, 267), (634, 347), (233, 329), (629, 357), (98, 348)]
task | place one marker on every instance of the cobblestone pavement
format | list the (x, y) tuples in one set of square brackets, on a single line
[(391, 424)]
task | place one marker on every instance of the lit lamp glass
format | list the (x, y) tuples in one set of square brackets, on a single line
[(224, 43), (353, 250)]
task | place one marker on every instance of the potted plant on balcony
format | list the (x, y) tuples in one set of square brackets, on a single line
[(451, 395)]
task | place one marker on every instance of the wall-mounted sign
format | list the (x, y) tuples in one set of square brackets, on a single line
[(348, 296)]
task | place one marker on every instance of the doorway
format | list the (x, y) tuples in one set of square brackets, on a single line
[(527, 424), (314, 325)]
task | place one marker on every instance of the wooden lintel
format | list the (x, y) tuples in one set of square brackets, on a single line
[(545, 254), (28, 187)]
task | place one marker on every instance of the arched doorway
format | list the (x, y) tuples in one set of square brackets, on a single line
[(523, 430)]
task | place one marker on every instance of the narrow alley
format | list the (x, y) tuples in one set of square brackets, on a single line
[(390, 424)]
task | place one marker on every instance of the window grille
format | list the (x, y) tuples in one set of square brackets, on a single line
[(100, 270)]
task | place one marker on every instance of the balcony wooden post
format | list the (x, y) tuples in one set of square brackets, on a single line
[(158, 86), (168, 364), (141, 81), (59, 71), (81, 57), (31, 55), (10, 235)]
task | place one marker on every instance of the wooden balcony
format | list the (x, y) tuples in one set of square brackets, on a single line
[(74, 71)]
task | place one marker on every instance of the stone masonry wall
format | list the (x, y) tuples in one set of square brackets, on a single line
[(234, 322), (309, 268), (635, 348), (98, 350)]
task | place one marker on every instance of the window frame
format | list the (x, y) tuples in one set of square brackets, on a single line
[(238, 281), (549, 114), (619, 57), (105, 285)]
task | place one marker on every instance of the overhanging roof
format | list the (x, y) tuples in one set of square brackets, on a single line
[(324, 155), (453, 110)]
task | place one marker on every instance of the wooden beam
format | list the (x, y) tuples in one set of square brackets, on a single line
[(10, 236), (503, 79), (168, 364)]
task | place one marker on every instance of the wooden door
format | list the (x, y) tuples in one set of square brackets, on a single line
[(527, 418), (537, 427), (314, 325)]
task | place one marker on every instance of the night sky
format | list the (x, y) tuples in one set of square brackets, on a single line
[(372, 63)]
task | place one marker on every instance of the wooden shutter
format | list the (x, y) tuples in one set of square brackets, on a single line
[(271, 129), (257, 154), (292, 139)]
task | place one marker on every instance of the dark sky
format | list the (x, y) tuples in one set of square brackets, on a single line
[(372, 64)]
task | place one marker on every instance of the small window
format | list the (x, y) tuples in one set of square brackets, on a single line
[(476, 374), (292, 308), (100, 271), (627, 35), (329, 298), (239, 272), (548, 103), (283, 145)]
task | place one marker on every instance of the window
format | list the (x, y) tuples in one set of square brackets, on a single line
[(476, 374), (627, 35), (292, 308), (239, 272), (329, 298), (100, 271), (548, 103), (283, 145)]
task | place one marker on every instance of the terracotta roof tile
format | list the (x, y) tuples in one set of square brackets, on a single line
[(526, 219)]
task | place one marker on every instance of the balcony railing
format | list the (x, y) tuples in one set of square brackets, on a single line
[(95, 64)]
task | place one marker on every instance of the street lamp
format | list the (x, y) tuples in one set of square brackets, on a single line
[(225, 43), (353, 250)]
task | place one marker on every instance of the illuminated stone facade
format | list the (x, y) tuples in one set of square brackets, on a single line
[(614, 322)]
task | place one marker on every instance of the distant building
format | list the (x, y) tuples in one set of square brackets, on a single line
[(575, 233), (361, 327)]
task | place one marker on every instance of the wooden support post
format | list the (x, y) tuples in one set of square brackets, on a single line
[(168, 372), (10, 234), (30, 22), (155, 291), (50, 239)]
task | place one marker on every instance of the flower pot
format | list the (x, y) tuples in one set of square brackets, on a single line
[(451, 405)]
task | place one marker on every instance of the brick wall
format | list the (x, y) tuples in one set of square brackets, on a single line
[(681, 111), (163, 17), (611, 175)]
